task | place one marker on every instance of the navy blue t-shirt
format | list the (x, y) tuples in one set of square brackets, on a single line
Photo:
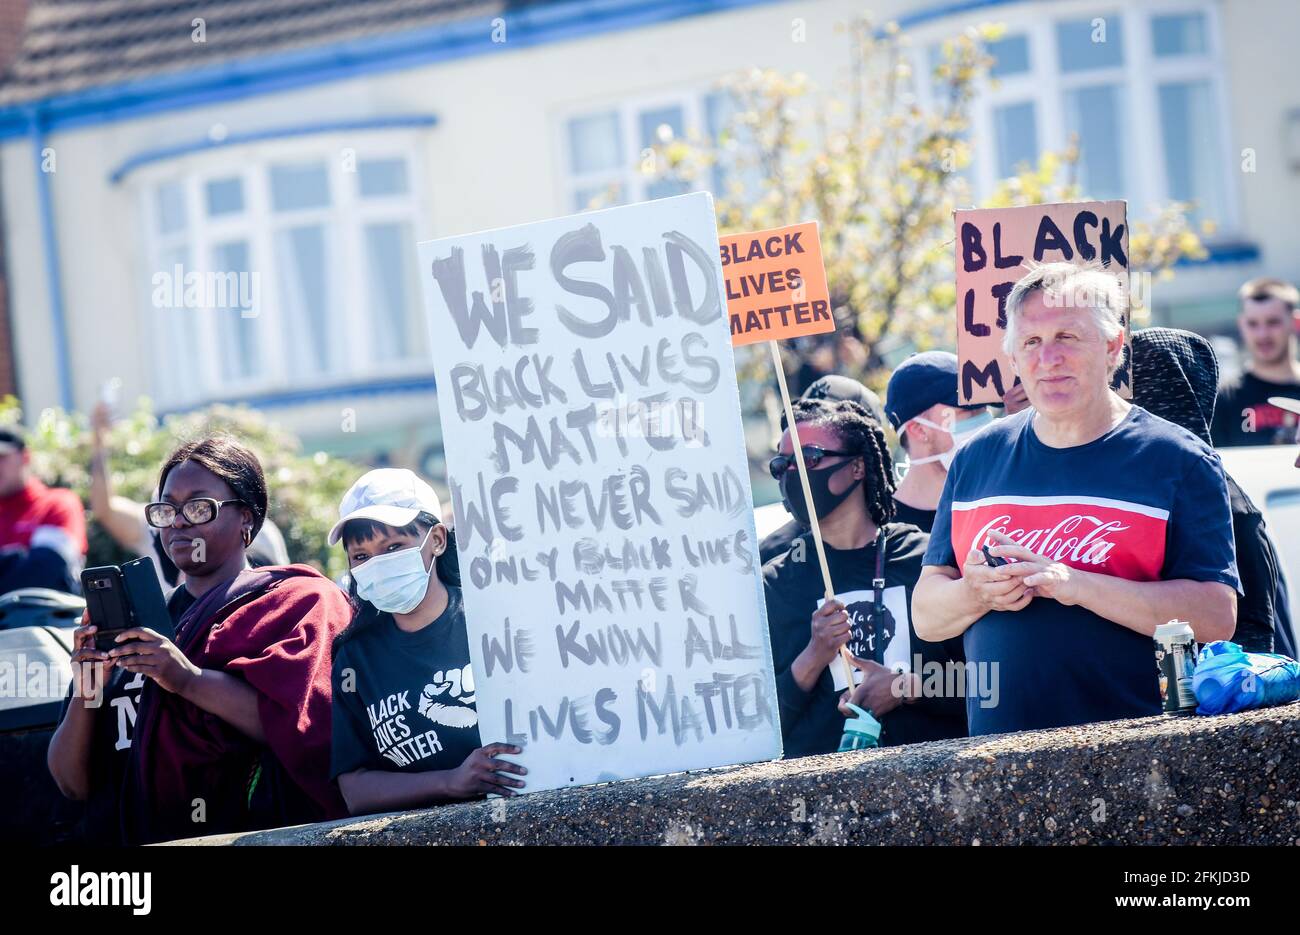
[(1146, 501)]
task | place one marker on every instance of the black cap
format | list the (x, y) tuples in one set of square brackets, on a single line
[(835, 387), (921, 381)]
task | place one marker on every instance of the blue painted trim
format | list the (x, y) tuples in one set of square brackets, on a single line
[(420, 383), (53, 270), (241, 78), (394, 122), (1224, 254), (921, 17)]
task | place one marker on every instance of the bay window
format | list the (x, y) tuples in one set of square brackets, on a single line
[(1139, 88), (302, 267)]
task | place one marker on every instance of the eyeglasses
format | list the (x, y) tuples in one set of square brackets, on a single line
[(198, 511), (812, 456)]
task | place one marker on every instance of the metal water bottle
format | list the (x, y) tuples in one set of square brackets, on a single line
[(1176, 657)]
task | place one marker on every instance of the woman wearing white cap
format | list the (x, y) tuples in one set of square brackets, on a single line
[(405, 724)]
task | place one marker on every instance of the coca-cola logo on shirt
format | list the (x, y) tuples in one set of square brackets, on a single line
[(1093, 534), (1079, 539), (1264, 417)]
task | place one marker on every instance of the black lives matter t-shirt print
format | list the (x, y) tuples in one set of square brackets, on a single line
[(405, 725), (881, 637), (405, 701)]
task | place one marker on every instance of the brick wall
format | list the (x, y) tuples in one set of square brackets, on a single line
[(13, 14)]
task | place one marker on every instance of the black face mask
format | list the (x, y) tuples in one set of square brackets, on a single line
[(819, 482)]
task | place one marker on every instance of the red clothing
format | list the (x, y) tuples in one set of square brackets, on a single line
[(274, 628), (43, 516)]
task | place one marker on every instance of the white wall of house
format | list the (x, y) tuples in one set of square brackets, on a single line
[(500, 155), (1264, 113), (29, 302)]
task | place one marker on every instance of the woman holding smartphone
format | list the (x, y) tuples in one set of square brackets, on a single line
[(226, 727), (405, 724)]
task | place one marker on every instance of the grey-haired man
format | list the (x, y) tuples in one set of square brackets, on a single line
[(1112, 521)]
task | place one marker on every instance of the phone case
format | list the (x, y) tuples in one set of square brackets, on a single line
[(990, 559), (106, 599), (132, 597), (148, 607)]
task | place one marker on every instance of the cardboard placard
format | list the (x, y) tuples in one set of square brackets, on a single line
[(604, 519), (993, 245), (776, 284)]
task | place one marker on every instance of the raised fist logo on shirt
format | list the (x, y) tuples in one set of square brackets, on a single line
[(457, 686)]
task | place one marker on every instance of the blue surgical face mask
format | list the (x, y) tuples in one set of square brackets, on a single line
[(962, 431), (395, 582)]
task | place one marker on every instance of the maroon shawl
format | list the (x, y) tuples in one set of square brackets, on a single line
[(274, 628)]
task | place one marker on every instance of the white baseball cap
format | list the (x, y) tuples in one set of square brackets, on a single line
[(393, 496)]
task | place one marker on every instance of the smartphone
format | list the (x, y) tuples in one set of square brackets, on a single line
[(125, 596), (990, 559), (144, 593), (109, 606)]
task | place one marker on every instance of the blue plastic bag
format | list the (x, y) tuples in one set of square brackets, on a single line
[(1229, 679)]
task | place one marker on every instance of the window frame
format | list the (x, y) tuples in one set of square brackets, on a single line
[(347, 274), (1145, 179), (692, 101)]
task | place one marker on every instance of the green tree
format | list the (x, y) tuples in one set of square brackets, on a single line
[(304, 488), (882, 173)]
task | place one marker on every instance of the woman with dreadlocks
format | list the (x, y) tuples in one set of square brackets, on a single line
[(874, 563)]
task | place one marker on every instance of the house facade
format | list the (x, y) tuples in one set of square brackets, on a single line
[(298, 157)]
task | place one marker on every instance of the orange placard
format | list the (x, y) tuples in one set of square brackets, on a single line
[(776, 284), (993, 245)]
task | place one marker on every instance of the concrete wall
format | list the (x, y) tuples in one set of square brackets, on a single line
[(1193, 780)]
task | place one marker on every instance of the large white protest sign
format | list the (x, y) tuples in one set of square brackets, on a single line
[(603, 516)]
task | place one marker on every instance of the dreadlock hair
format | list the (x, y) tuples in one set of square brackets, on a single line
[(859, 432)]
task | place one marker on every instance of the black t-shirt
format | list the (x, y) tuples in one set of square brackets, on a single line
[(1257, 565), (778, 541), (921, 519), (110, 742), (404, 701), (1283, 636), (811, 722), (1244, 416)]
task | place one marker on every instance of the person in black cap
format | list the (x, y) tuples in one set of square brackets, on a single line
[(42, 529), (921, 404), (1175, 375), (833, 387)]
